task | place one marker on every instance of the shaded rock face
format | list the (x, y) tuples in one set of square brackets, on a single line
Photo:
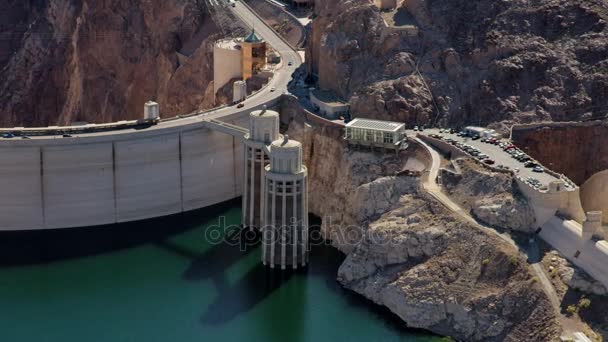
[(99, 61), (481, 62), (493, 198), (577, 150)]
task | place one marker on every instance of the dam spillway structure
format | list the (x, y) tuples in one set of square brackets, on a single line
[(263, 130), (285, 207)]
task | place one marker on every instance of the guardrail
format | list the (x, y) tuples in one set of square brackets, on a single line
[(293, 17), (272, 29)]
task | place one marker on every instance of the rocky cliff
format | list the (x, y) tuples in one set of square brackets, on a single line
[(464, 61), (492, 198), (99, 61), (406, 252), (578, 150)]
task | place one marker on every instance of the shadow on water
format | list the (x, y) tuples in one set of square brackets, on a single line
[(44, 246), (260, 282)]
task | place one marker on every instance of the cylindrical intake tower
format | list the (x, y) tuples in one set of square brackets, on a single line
[(285, 207), (263, 128)]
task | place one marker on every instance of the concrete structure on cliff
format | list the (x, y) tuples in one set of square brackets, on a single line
[(376, 133), (240, 58)]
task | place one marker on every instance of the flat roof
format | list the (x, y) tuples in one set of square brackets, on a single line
[(328, 97), (378, 125), (228, 44)]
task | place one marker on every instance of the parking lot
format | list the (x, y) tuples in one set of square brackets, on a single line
[(497, 155)]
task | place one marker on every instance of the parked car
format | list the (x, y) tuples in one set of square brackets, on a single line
[(530, 164), (8, 135), (538, 169), (489, 161)]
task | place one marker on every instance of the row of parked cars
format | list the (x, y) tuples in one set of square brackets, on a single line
[(520, 156), (471, 150)]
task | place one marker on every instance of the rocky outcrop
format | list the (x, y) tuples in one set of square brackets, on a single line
[(406, 252), (572, 276), (99, 61), (445, 276), (578, 150), (493, 198), (482, 62), (354, 188)]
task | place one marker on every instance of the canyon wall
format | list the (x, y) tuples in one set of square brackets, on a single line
[(99, 61), (578, 150), (470, 62)]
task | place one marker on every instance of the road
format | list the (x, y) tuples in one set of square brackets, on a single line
[(265, 96)]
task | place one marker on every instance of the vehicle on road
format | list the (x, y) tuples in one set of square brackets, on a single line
[(67, 136), (416, 128), (290, 63), (8, 135), (273, 89), (240, 105), (25, 137)]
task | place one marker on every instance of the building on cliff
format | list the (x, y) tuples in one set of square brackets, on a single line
[(376, 133), (328, 104), (240, 58)]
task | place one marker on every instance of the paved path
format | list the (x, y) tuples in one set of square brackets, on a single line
[(434, 189)]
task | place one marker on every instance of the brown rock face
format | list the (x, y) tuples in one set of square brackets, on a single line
[(482, 62), (99, 61), (576, 150)]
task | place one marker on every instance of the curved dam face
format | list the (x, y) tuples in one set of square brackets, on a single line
[(594, 194), (114, 177)]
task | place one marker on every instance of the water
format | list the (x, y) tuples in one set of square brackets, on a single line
[(160, 281)]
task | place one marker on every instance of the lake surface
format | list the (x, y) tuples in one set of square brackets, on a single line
[(162, 280)]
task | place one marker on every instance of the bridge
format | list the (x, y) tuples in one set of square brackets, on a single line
[(127, 171)]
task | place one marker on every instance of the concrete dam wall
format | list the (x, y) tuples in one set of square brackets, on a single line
[(117, 176)]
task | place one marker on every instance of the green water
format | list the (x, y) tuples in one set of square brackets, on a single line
[(160, 281)]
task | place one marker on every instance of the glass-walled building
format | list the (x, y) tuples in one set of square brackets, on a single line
[(376, 133)]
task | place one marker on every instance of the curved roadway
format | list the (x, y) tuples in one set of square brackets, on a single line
[(265, 96)]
